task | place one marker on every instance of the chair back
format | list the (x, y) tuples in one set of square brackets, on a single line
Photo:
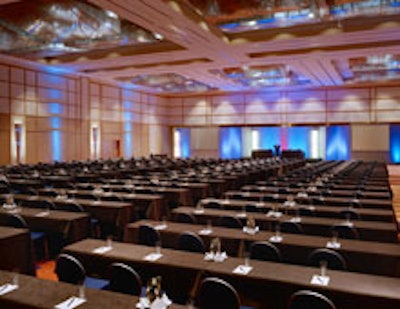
[(215, 293), (306, 211), (291, 227), (213, 205), (69, 269), (148, 235), (124, 279), (345, 231), (16, 220), (185, 218), (70, 206), (189, 241), (334, 259), (265, 251), (251, 208), (309, 300), (229, 221), (350, 214)]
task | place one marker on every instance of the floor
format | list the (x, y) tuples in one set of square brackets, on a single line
[(45, 270)]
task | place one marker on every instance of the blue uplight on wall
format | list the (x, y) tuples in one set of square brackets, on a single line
[(269, 136), (395, 143), (55, 133), (185, 142), (230, 142), (338, 143), (56, 142), (298, 138), (55, 108)]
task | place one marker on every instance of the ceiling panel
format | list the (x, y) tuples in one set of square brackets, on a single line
[(180, 47)]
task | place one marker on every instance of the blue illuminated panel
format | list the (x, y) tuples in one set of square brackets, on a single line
[(298, 139), (338, 143), (56, 143), (230, 142), (269, 136), (185, 142), (395, 143)]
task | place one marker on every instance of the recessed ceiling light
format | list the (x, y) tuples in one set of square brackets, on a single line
[(158, 36), (111, 14)]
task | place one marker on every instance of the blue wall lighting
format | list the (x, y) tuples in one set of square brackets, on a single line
[(230, 142), (338, 143)]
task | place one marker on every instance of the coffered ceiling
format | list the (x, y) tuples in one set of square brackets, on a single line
[(179, 47)]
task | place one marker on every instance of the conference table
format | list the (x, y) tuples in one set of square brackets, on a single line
[(360, 256), (142, 205), (368, 214), (34, 293), (265, 285), (333, 192), (16, 251), (368, 230), (320, 200), (72, 226), (197, 191), (114, 214)]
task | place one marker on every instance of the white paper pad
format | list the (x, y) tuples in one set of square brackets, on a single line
[(241, 215), (70, 303), (320, 280), (42, 214), (152, 257), (333, 245), (349, 224), (250, 231), (275, 214), (198, 211), (160, 227), (205, 232), (275, 239), (242, 270), (295, 219), (7, 288), (102, 249)]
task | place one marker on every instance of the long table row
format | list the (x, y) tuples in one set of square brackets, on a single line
[(33, 293), (360, 256), (367, 230), (267, 285)]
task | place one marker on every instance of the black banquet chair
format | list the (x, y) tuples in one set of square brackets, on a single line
[(350, 214), (229, 221), (305, 299), (70, 270), (291, 227), (75, 207), (215, 293), (191, 242), (124, 279), (345, 231), (17, 221), (264, 251), (185, 218), (148, 235), (334, 259)]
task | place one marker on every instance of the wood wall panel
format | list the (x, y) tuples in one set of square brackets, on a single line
[(4, 105), (4, 89), (4, 138), (62, 105)]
